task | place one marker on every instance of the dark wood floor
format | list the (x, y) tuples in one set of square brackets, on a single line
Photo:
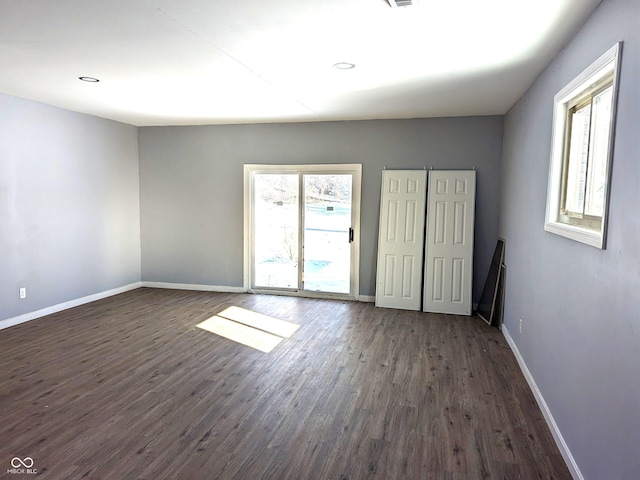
[(129, 388)]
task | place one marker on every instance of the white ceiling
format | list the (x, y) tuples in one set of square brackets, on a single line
[(188, 62)]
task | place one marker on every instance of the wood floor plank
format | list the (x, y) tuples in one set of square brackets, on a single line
[(128, 387)]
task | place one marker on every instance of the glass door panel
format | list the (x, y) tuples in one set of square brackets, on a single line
[(326, 233), (276, 227)]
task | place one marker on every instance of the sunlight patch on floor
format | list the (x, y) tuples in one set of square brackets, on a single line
[(263, 322), (249, 328)]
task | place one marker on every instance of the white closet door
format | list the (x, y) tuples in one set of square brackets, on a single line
[(401, 239), (449, 243)]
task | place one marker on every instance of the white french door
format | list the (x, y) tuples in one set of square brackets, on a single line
[(302, 229), (449, 242)]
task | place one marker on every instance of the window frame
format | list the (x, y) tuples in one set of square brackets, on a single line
[(586, 85), (582, 219)]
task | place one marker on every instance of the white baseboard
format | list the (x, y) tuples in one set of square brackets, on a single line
[(10, 322), (555, 431), (225, 289), (191, 286)]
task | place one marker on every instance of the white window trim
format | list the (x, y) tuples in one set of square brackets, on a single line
[(251, 169), (605, 65)]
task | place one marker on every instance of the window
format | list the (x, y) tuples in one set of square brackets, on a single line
[(581, 151)]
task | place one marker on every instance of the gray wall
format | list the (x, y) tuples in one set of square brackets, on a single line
[(69, 205), (192, 185), (580, 305)]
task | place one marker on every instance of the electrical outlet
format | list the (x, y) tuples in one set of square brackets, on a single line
[(23, 292), (520, 325)]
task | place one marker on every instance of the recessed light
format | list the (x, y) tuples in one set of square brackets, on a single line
[(88, 79), (344, 65)]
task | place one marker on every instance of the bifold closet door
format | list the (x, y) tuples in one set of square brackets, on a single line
[(449, 242), (401, 239)]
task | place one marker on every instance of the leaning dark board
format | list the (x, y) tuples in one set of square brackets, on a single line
[(487, 304), (498, 311)]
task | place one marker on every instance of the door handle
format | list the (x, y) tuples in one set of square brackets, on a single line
[(350, 234)]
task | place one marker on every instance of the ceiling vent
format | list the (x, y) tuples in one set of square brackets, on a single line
[(402, 3)]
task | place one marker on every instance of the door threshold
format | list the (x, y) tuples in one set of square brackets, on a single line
[(304, 294)]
